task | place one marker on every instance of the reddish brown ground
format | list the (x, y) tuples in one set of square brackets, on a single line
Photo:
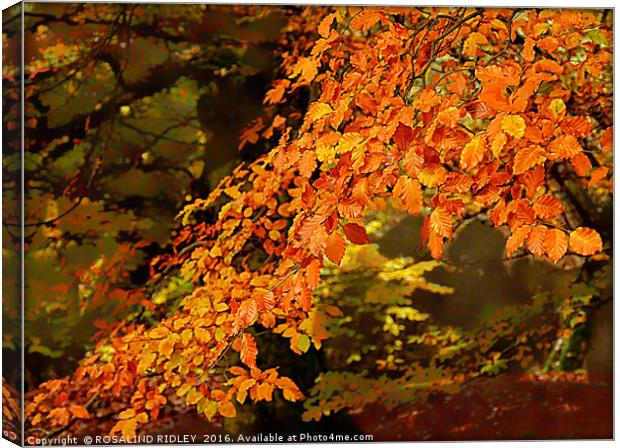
[(507, 407)]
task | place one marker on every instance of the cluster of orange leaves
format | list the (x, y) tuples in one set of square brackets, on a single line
[(446, 112)]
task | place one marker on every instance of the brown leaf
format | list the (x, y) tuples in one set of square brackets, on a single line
[(356, 233)]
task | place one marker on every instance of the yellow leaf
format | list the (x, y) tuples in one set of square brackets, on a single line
[(183, 389), (514, 125), (318, 110), (209, 408), (557, 106), (303, 343), (498, 144), (473, 152), (193, 397), (186, 336), (348, 142), (127, 413), (146, 361)]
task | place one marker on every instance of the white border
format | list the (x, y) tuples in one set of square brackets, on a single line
[(485, 3)]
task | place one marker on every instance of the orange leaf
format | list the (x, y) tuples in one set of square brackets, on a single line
[(313, 234), (325, 25), (548, 207), (449, 117), (226, 409), (242, 392), (308, 68), (528, 52), (432, 175), (60, 416), (585, 241), (536, 240), (581, 164), (403, 136), (307, 163), (597, 175), (79, 411), (457, 183), (532, 180), (409, 193), (246, 313), (265, 299), (335, 248), (248, 350), (470, 46), (520, 213), (473, 152), (606, 140), (441, 222), (564, 147), (276, 94), (499, 214), (426, 100), (264, 391), (413, 162), (516, 240), (528, 157), (289, 389), (435, 244), (356, 233), (365, 19), (127, 413), (555, 244), (126, 427), (578, 126), (313, 273)]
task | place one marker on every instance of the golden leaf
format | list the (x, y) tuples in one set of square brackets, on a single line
[(514, 125), (318, 110)]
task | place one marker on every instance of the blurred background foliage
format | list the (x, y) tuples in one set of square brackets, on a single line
[(131, 112)]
